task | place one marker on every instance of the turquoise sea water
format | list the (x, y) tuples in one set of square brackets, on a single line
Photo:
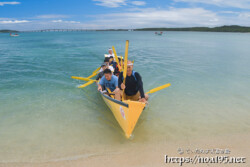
[(45, 117)]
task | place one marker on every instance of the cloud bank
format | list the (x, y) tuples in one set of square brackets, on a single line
[(9, 3)]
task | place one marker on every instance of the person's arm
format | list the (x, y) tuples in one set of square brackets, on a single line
[(116, 81), (100, 84), (99, 87), (98, 76), (140, 85), (120, 80)]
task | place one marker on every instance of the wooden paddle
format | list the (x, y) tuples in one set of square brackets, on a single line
[(86, 84), (116, 58), (110, 93), (94, 74), (84, 79), (122, 64), (125, 66), (96, 70), (158, 88)]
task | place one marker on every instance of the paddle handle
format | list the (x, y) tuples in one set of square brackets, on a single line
[(125, 66)]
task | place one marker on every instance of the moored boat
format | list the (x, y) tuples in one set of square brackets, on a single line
[(158, 33), (14, 35)]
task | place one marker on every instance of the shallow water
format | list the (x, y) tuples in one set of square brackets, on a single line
[(44, 117)]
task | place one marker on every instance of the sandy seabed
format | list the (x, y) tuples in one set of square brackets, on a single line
[(151, 155)]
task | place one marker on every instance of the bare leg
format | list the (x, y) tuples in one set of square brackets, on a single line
[(118, 94)]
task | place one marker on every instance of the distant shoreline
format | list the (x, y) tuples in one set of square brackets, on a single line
[(232, 28), (8, 31)]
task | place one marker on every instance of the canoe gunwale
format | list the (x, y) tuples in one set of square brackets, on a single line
[(114, 100)]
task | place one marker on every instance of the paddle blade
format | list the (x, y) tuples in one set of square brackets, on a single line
[(96, 70), (84, 79), (116, 58), (94, 74), (81, 78), (159, 88), (86, 84), (125, 61)]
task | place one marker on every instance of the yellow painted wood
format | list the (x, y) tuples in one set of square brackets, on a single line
[(97, 70), (84, 79), (125, 65), (94, 74), (116, 58), (125, 62), (158, 88), (127, 117), (86, 84), (110, 92)]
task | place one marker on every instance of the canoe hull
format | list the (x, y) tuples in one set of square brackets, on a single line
[(126, 113)]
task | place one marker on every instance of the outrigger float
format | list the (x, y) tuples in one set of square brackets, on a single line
[(126, 112)]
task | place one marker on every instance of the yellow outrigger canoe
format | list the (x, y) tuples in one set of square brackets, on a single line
[(126, 112)]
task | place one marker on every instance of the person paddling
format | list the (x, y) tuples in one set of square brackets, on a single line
[(133, 85), (100, 74), (110, 54), (109, 81), (108, 65), (114, 65)]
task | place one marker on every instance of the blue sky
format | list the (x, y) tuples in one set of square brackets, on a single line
[(104, 14)]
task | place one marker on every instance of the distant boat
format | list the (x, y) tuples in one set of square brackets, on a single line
[(158, 33), (14, 35)]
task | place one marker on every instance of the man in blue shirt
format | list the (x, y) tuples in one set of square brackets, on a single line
[(109, 81)]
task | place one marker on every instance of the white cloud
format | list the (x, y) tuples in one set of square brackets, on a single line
[(57, 21), (228, 12), (245, 15), (138, 3), (13, 21), (110, 3), (118, 3), (243, 4), (61, 21), (9, 3), (140, 18), (51, 16), (173, 17)]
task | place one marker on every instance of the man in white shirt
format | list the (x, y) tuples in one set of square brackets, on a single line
[(111, 54)]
